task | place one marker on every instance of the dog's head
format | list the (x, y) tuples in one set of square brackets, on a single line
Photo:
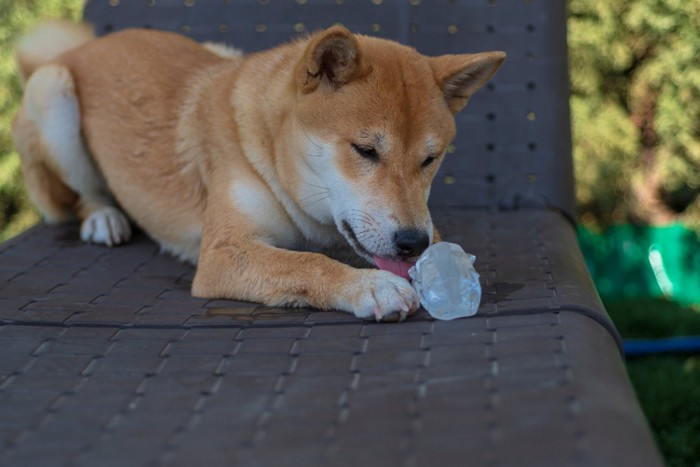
[(375, 120)]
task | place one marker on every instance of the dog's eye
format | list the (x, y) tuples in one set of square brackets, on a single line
[(368, 152), (428, 160)]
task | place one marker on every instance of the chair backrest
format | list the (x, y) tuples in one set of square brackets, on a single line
[(513, 146)]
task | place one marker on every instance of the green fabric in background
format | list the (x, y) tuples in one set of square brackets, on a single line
[(628, 261)]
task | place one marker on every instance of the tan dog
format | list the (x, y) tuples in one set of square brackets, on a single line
[(234, 163)]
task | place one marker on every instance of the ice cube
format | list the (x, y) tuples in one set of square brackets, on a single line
[(446, 282)]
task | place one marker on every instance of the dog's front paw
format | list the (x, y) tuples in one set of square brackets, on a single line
[(381, 295)]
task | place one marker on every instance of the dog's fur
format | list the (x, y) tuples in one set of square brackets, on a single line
[(235, 163)]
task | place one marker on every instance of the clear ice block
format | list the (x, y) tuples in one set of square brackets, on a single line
[(446, 282)]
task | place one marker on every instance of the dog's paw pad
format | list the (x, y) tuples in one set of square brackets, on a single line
[(108, 226)]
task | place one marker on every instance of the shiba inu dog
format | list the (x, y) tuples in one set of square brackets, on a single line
[(236, 163)]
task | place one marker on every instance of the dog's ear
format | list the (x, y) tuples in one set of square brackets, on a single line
[(460, 76), (332, 58)]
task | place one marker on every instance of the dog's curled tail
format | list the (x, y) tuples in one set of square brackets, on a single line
[(46, 41)]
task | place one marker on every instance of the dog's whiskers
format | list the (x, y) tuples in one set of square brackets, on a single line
[(363, 218), (317, 147), (316, 186), (364, 221), (325, 192), (365, 215), (327, 195), (362, 232)]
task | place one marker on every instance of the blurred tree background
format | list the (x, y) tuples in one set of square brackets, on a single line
[(635, 77), (16, 213)]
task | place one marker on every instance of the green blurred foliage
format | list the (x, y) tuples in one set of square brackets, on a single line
[(635, 81), (635, 102), (16, 213)]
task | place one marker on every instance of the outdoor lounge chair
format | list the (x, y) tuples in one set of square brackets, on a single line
[(108, 360)]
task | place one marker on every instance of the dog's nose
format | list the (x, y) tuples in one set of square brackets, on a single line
[(411, 242)]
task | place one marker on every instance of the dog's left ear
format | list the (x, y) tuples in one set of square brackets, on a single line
[(460, 76), (332, 58)]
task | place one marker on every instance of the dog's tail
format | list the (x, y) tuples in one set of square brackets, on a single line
[(46, 41)]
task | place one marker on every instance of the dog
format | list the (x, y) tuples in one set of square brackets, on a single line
[(237, 163)]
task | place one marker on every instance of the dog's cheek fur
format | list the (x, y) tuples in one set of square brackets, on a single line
[(252, 198)]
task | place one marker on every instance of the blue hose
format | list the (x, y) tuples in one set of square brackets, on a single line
[(639, 347)]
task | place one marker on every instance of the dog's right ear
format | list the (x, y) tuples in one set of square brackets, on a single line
[(332, 58)]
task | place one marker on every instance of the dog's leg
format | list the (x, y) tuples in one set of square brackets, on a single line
[(51, 106), (56, 201), (235, 264), (278, 277)]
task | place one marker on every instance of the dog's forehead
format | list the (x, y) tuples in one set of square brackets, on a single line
[(397, 106), (406, 101), (403, 70), (398, 117), (384, 139)]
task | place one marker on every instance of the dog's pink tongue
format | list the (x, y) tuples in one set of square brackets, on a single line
[(400, 268)]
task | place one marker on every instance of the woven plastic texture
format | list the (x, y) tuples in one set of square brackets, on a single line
[(528, 261), (105, 359), (513, 143)]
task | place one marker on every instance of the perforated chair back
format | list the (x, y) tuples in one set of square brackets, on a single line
[(513, 144)]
